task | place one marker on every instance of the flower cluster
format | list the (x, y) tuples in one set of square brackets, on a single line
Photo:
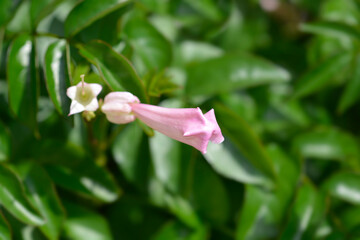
[(187, 125)]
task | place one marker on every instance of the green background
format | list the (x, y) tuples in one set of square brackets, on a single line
[(284, 83)]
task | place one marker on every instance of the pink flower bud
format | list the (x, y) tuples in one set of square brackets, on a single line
[(187, 125)]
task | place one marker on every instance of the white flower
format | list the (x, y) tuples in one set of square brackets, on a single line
[(83, 96)]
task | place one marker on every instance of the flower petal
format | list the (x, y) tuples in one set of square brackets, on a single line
[(71, 92), (76, 107), (92, 106), (187, 125), (216, 136), (96, 88), (117, 107)]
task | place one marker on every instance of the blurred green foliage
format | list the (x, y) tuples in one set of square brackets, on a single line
[(283, 78)]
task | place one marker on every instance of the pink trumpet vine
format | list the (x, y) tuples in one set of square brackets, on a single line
[(187, 125)]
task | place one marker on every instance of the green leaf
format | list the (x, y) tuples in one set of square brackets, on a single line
[(158, 84), (130, 214), (350, 217), (151, 48), (229, 162), (168, 165), (42, 195), (242, 136), (321, 75), (5, 11), (5, 232), (86, 179), (214, 209), (345, 186), (176, 230), (57, 79), (327, 143), (192, 51), (39, 9), (72, 168), (132, 162), (208, 8), (82, 223), (13, 199), (22, 80), (233, 72), (346, 11), (352, 90), (176, 204), (4, 143), (114, 68), (306, 214), (263, 211), (20, 20), (87, 12), (332, 29)]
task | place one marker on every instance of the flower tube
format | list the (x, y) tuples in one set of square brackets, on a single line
[(187, 125)]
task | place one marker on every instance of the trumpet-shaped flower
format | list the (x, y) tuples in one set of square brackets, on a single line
[(187, 125), (83, 96)]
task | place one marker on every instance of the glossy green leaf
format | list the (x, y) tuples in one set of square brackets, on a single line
[(346, 11), (5, 13), (241, 135), (87, 12), (20, 20), (332, 29), (130, 214), (72, 168), (321, 75), (216, 208), (133, 164), (233, 72), (114, 68), (345, 186), (22, 80), (327, 143), (152, 48), (4, 143), (5, 232), (349, 217), (352, 90), (208, 8), (168, 165), (56, 76), (176, 230), (85, 179), (177, 205), (39, 9), (41, 193), (306, 214), (13, 199), (230, 163), (263, 210), (82, 223), (192, 51)]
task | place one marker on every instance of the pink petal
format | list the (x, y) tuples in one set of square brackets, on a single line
[(187, 125), (117, 109), (217, 136)]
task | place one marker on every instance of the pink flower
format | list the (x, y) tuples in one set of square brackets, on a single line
[(83, 96), (187, 125)]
